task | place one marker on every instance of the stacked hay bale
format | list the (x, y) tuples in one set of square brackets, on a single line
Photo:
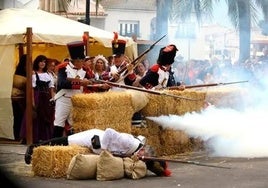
[(111, 109), (168, 141), (53, 161), (228, 97), (115, 109)]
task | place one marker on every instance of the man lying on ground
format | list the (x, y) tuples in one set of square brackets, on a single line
[(119, 144)]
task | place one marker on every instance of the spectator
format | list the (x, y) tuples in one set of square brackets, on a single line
[(43, 92), (18, 96)]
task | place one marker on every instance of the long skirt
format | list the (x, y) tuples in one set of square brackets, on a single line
[(43, 117)]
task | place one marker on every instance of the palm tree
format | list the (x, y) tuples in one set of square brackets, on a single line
[(263, 23), (162, 9), (242, 13), (66, 3)]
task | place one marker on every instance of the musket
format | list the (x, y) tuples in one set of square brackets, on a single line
[(207, 85), (145, 90), (144, 158), (134, 62)]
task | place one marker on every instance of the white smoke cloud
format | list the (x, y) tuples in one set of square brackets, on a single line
[(226, 132)]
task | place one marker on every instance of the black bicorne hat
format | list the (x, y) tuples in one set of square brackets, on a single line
[(167, 55), (118, 46), (76, 50)]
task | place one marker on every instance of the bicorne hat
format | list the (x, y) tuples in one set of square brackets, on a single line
[(118, 46), (167, 55), (76, 50)]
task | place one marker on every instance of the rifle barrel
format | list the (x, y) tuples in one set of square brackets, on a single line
[(208, 85), (182, 161), (145, 90)]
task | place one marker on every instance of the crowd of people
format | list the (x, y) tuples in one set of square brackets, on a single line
[(221, 70), (54, 83)]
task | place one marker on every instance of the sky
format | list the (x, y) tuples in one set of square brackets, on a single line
[(220, 14)]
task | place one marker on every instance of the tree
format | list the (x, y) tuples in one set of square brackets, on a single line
[(242, 13), (162, 13), (66, 3), (264, 23)]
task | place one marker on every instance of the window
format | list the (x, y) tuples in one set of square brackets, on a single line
[(129, 28)]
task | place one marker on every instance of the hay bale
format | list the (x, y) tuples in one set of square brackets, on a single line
[(120, 127), (168, 142), (164, 105), (174, 141), (112, 109), (151, 132), (53, 161), (231, 97)]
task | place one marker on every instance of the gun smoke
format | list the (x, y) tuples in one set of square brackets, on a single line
[(226, 132)]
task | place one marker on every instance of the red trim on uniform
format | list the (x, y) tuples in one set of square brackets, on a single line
[(148, 86), (76, 84), (132, 76), (61, 65), (155, 68)]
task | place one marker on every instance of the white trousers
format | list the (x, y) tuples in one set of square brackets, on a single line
[(63, 111)]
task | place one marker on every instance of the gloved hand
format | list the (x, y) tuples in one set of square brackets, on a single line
[(115, 76), (130, 68)]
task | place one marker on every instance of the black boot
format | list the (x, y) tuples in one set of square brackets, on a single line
[(58, 131), (28, 154), (52, 142)]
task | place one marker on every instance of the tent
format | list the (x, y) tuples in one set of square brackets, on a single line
[(50, 35)]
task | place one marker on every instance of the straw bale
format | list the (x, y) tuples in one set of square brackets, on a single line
[(121, 127), (232, 97), (151, 132), (164, 105), (53, 161), (112, 109), (101, 100), (102, 116), (174, 141)]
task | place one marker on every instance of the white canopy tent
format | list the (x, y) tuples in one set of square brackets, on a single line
[(51, 33)]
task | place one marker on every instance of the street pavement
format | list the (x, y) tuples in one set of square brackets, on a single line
[(243, 173)]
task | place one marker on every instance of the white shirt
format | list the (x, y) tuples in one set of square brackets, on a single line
[(117, 143), (43, 77)]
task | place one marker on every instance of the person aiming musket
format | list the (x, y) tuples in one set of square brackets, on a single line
[(158, 76), (121, 67)]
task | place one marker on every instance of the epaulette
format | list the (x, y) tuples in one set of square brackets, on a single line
[(61, 65), (155, 68)]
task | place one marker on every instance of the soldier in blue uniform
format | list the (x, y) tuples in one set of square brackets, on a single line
[(71, 80), (121, 62), (158, 76)]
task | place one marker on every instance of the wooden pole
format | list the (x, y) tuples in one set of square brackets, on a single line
[(29, 94), (86, 41)]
